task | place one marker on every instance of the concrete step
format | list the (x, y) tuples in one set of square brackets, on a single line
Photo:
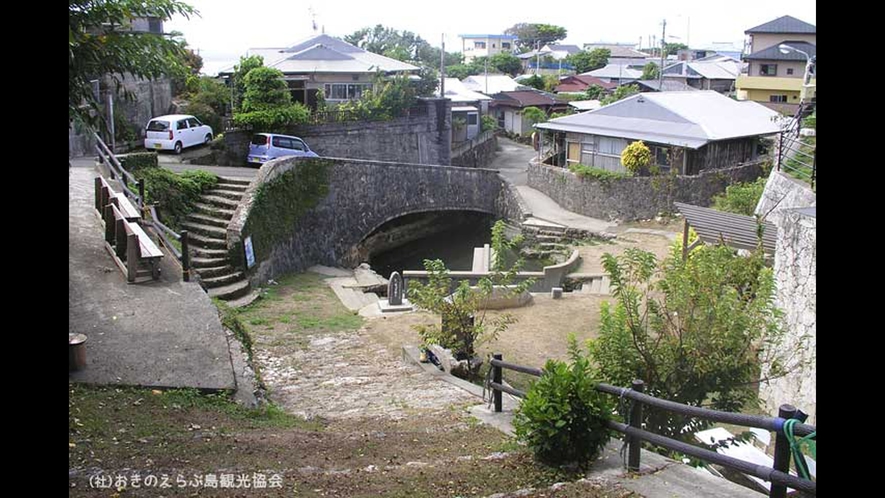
[(227, 193), (208, 253), (594, 287), (227, 180), (214, 211), (215, 271), (222, 280), (221, 202), (605, 286), (550, 239), (553, 246), (204, 242), (214, 232), (208, 220), (200, 263), (232, 291)]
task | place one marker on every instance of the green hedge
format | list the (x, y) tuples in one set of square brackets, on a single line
[(175, 194), (137, 160)]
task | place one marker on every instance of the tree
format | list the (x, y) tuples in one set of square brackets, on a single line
[(101, 44), (265, 88), (506, 63), (696, 331), (585, 61), (636, 157), (651, 71), (239, 77), (594, 92), (620, 92), (534, 115), (463, 328), (672, 48), (532, 35), (534, 81)]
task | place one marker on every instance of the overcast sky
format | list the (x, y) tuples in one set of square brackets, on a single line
[(225, 29)]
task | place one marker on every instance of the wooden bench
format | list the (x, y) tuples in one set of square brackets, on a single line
[(130, 246), (105, 195)]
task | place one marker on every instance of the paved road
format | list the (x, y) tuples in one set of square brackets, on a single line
[(512, 161), (162, 333)]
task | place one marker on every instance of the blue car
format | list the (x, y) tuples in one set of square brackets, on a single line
[(267, 146)]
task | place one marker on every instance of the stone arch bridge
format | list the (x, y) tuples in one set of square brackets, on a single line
[(300, 212)]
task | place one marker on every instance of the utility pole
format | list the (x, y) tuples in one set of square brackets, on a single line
[(661, 69), (442, 67), (537, 56)]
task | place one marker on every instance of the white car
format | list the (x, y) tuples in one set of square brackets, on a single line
[(176, 132)]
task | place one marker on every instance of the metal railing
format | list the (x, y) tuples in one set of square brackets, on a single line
[(116, 170), (797, 156), (778, 475), (164, 232)]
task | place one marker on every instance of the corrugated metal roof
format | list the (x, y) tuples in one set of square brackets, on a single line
[(735, 230), (620, 71), (324, 53), (669, 85), (496, 83), (617, 50), (686, 119), (784, 24), (457, 92), (585, 105), (774, 53)]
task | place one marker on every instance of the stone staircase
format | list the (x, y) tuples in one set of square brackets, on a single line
[(207, 233)]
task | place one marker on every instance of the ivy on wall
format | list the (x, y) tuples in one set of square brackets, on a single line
[(280, 203)]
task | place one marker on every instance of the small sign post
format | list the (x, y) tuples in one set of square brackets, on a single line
[(250, 253)]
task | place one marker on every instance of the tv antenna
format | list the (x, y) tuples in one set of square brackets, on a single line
[(313, 18)]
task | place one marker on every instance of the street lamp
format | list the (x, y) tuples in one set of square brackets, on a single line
[(809, 63)]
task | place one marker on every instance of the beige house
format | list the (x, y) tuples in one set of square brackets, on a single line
[(486, 45), (326, 64), (775, 78)]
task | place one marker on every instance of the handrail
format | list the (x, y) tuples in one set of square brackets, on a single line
[(778, 475), (117, 169), (182, 256)]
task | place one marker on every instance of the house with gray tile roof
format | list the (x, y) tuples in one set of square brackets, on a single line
[(323, 63)]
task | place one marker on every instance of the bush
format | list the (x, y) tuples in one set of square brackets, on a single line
[(204, 113), (636, 157), (273, 120), (135, 161), (601, 175), (740, 198), (563, 417), (174, 194), (488, 123)]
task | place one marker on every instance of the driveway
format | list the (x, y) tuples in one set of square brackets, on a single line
[(512, 161)]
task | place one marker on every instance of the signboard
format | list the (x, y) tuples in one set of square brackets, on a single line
[(250, 253)]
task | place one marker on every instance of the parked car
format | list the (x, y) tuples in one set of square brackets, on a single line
[(267, 146), (176, 132)]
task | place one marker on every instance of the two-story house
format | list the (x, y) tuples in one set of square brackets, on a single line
[(775, 74), (486, 45)]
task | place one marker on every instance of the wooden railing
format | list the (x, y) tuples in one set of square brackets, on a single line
[(116, 170), (164, 232), (778, 475)]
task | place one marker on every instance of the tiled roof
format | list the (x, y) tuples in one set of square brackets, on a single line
[(668, 84), (774, 53), (580, 82), (617, 51), (526, 98), (784, 24)]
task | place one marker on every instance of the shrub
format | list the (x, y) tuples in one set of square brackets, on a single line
[(563, 417), (488, 123), (601, 175), (636, 157), (273, 120), (740, 198), (174, 194), (204, 113), (135, 161)]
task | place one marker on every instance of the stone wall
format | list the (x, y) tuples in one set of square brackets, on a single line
[(782, 191), (634, 198), (510, 205), (362, 195), (795, 277), (424, 138), (480, 155)]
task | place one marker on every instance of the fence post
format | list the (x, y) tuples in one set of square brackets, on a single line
[(813, 165), (496, 378), (141, 198), (782, 452), (185, 258), (780, 149), (635, 421)]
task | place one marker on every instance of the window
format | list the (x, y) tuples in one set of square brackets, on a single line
[(777, 98), (505, 45), (282, 142), (345, 91), (472, 118), (194, 122), (479, 44), (768, 70), (157, 126), (789, 71), (662, 156), (259, 140), (181, 125)]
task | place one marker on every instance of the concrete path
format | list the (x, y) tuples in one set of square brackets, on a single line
[(512, 163), (163, 333)]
